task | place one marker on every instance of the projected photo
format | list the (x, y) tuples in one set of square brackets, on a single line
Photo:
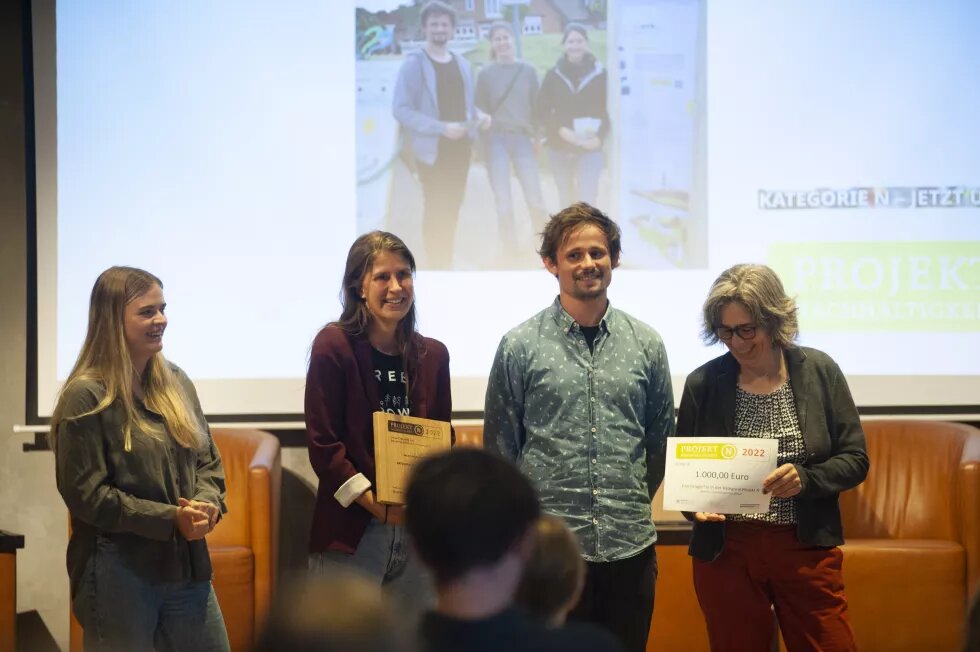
[(477, 120), (214, 144)]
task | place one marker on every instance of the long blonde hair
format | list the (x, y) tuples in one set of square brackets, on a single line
[(105, 359)]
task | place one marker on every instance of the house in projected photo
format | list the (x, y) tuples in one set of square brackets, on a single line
[(535, 17), (401, 27)]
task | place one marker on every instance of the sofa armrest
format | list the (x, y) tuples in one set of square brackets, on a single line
[(969, 509), (264, 482)]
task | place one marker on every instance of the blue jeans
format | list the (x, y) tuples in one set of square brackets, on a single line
[(121, 611), (504, 148), (576, 175), (385, 557)]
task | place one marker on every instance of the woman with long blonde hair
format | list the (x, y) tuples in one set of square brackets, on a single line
[(507, 90), (141, 478)]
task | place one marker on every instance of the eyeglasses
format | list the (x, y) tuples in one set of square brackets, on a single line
[(744, 331)]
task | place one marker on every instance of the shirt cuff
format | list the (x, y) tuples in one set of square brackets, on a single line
[(350, 490)]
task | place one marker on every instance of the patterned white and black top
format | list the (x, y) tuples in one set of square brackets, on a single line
[(772, 416)]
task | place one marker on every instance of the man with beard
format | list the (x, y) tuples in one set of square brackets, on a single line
[(580, 398), (433, 102)]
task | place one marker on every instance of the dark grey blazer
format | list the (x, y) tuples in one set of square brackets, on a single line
[(836, 455)]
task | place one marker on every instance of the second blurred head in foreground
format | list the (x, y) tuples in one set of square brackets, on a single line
[(555, 573)]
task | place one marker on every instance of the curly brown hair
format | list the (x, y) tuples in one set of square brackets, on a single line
[(562, 223)]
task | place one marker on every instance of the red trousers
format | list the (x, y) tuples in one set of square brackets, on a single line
[(764, 567)]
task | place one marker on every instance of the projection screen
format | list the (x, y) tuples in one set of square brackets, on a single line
[(235, 149)]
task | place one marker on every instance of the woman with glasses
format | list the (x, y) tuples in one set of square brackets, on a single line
[(787, 559)]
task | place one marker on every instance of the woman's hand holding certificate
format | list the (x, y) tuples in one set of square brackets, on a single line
[(725, 475), (784, 482)]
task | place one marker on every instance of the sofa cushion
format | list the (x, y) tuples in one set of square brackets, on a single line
[(905, 594)]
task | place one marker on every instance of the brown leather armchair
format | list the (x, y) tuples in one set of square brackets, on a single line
[(912, 531), (244, 546), (912, 551), (469, 435)]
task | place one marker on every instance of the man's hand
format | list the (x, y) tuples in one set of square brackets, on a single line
[(784, 482), (484, 120), (191, 523), (213, 512), (454, 131), (568, 135)]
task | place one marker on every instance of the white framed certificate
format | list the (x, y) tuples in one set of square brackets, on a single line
[(718, 474)]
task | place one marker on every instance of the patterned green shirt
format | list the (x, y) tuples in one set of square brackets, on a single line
[(584, 427)]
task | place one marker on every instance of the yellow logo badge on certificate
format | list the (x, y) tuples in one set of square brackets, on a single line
[(718, 474), (399, 442)]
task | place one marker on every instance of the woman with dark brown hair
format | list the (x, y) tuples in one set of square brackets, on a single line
[(370, 359), (572, 112)]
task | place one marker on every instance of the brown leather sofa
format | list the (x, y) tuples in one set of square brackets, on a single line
[(912, 551), (912, 556), (244, 546), (912, 530)]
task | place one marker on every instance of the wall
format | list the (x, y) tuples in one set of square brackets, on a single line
[(29, 502)]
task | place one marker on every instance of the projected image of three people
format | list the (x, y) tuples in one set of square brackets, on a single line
[(472, 128)]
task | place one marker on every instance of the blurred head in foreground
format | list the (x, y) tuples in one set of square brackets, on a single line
[(469, 510), (337, 612)]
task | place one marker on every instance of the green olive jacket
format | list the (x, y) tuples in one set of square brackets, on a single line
[(130, 498)]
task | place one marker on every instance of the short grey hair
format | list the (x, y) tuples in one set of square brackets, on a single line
[(758, 289)]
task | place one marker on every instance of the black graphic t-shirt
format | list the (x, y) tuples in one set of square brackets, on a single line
[(392, 383), (450, 90), (590, 333)]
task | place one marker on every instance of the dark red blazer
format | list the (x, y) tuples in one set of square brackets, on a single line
[(341, 399)]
